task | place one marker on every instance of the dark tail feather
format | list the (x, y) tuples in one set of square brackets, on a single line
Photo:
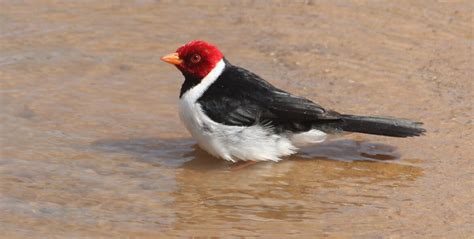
[(382, 126)]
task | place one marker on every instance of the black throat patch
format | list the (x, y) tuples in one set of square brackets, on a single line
[(189, 82)]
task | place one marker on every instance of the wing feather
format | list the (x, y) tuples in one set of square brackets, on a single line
[(239, 97)]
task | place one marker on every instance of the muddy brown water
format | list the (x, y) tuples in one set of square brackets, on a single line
[(92, 146)]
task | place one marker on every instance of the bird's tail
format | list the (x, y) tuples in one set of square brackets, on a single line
[(382, 126)]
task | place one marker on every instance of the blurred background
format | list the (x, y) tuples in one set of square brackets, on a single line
[(92, 146)]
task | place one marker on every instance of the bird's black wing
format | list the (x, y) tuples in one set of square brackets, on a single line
[(239, 97)]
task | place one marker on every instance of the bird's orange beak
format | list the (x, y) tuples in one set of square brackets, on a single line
[(172, 58)]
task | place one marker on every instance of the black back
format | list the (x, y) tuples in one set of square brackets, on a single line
[(241, 98)]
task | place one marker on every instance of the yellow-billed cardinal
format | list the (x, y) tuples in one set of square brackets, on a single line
[(236, 115)]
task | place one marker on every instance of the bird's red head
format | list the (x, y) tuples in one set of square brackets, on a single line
[(196, 58)]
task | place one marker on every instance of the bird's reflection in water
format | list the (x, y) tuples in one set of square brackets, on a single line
[(340, 150), (321, 180), (350, 150)]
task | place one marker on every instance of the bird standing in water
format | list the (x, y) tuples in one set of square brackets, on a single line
[(236, 115)]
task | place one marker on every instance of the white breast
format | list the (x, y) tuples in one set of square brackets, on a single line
[(232, 143)]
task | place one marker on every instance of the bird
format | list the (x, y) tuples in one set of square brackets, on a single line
[(236, 115)]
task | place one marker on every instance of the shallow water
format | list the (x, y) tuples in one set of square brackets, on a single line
[(91, 143)]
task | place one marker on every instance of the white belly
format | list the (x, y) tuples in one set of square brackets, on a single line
[(233, 143)]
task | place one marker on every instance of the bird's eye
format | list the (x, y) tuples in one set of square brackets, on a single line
[(195, 58)]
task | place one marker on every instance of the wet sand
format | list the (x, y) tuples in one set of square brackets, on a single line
[(92, 146)]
